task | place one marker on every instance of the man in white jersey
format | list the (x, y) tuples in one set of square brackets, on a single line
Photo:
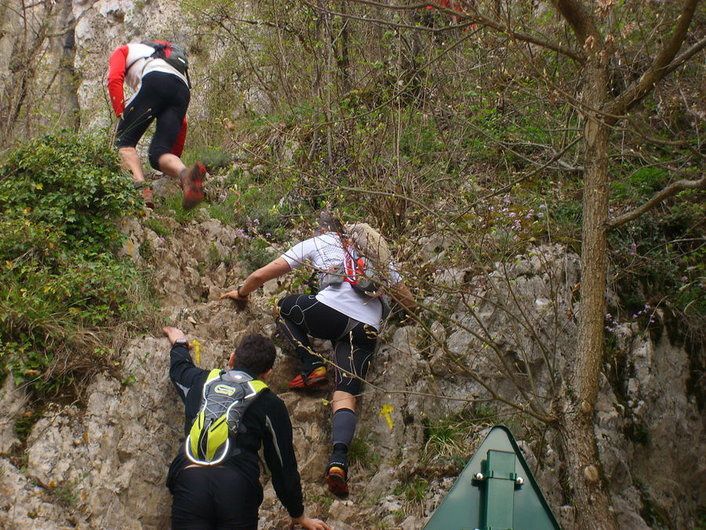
[(339, 313), (161, 92)]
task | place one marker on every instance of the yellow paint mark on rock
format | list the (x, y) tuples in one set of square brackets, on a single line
[(196, 348), (386, 412)]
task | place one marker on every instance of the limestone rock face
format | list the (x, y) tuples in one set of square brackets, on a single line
[(12, 403), (103, 465), (25, 505)]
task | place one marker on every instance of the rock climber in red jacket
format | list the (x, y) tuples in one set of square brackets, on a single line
[(161, 92)]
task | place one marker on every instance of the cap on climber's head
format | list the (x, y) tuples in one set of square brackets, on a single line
[(328, 222)]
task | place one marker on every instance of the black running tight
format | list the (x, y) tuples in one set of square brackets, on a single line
[(164, 97), (354, 342)]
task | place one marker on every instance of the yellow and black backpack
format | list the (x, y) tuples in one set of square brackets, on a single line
[(226, 396)]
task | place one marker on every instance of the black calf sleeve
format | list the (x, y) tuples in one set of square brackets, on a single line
[(343, 429)]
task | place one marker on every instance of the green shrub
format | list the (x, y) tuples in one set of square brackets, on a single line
[(414, 490), (73, 185), (60, 199), (173, 207), (256, 254)]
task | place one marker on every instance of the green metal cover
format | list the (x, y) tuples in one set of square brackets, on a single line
[(466, 506), (497, 498)]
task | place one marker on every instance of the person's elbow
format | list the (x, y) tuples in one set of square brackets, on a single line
[(274, 269)]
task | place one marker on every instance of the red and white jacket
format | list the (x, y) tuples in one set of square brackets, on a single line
[(129, 64)]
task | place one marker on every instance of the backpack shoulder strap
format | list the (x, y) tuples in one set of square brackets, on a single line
[(210, 378), (258, 386)]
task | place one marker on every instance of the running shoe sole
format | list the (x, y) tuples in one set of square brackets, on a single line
[(337, 483)]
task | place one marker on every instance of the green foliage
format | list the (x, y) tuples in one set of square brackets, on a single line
[(420, 141), (60, 199), (660, 260), (173, 207), (362, 452), (214, 158), (69, 184), (256, 253), (255, 201), (414, 489), (66, 494), (449, 437), (24, 424), (642, 183), (157, 226)]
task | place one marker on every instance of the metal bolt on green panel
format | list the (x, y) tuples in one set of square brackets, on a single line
[(495, 491)]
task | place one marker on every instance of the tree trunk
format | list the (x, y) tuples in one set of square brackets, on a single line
[(578, 439), (68, 80)]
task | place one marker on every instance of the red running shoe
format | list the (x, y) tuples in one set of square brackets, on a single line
[(314, 379), (148, 197), (192, 185), (337, 481)]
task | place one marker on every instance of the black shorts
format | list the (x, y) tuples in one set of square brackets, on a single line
[(353, 341), (163, 97), (214, 498)]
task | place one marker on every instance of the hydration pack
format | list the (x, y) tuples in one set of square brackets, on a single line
[(365, 266), (226, 397), (355, 271), (173, 54)]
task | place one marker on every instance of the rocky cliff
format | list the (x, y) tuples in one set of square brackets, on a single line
[(103, 464)]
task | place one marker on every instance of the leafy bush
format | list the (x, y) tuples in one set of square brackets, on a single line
[(60, 198), (72, 184)]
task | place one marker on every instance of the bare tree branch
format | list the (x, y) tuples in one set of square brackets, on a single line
[(474, 18), (661, 65), (662, 195), (688, 54), (382, 22)]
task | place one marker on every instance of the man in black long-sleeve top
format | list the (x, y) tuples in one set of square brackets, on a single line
[(229, 495)]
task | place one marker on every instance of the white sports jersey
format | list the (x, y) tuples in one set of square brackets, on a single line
[(325, 253), (140, 64)]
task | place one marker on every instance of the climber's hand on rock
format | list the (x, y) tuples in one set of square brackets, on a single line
[(173, 334), (240, 301), (233, 295)]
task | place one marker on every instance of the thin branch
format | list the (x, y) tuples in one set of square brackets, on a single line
[(664, 194), (662, 63), (688, 54), (386, 22), (474, 18)]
